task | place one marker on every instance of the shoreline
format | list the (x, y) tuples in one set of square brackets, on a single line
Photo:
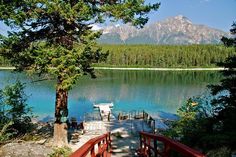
[(161, 69), (148, 69), (7, 68)]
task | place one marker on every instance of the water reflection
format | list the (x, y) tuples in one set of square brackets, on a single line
[(152, 91)]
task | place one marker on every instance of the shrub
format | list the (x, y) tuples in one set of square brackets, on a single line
[(61, 152), (221, 152), (15, 115), (4, 134)]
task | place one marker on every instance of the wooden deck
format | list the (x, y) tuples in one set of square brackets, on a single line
[(127, 136), (105, 111)]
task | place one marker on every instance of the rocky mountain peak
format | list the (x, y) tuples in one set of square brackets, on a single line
[(181, 17), (173, 30), (178, 19)]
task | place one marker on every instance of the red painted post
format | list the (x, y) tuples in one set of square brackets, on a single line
[(89, 147), (99, 146), (149, 144), (109, 141), (166, 150), (169, 145), (144, 144), (92, 153)]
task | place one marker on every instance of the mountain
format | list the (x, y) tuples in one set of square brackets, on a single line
[(173, 30)]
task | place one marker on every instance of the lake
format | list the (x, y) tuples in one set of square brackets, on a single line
[(152, 91)]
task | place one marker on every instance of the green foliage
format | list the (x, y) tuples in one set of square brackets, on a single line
[(211, 126), (230, 41), (4, 62), (222, 152), (55, 36), (15, 115), (16, 99), (194, 123), (164, 56), (161, 56), (4, 134), (61, 152), (198, 125), (226, 95)]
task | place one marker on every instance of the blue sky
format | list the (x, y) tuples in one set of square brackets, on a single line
[(218, 14)]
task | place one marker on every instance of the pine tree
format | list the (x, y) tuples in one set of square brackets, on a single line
[(55, 37), (227, 89)]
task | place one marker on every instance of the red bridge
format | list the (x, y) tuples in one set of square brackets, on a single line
[(150, 145)]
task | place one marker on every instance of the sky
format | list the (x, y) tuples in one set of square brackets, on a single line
[(218, 14)]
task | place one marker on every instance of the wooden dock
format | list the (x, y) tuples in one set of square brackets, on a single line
[(105, 111)]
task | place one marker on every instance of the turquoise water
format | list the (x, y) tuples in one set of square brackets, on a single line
[(152, 91)]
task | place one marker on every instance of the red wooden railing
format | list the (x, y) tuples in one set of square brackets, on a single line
[(96, 147), (149, 147)]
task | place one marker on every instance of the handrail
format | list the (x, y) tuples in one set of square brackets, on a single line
[(148, 146), (103, 143)]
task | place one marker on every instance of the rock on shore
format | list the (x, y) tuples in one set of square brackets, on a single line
[(24, 150)]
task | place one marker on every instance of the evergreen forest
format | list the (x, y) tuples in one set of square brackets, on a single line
[(161, 56), (165, 56)]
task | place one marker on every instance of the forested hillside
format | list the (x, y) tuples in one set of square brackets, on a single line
[(165, 55)]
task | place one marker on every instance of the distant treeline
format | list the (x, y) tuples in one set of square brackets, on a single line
[(4, 62), (165, 55)]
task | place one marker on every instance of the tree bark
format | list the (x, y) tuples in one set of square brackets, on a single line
[(60, 135)]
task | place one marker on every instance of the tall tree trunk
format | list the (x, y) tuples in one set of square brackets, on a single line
[(61, 113)]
